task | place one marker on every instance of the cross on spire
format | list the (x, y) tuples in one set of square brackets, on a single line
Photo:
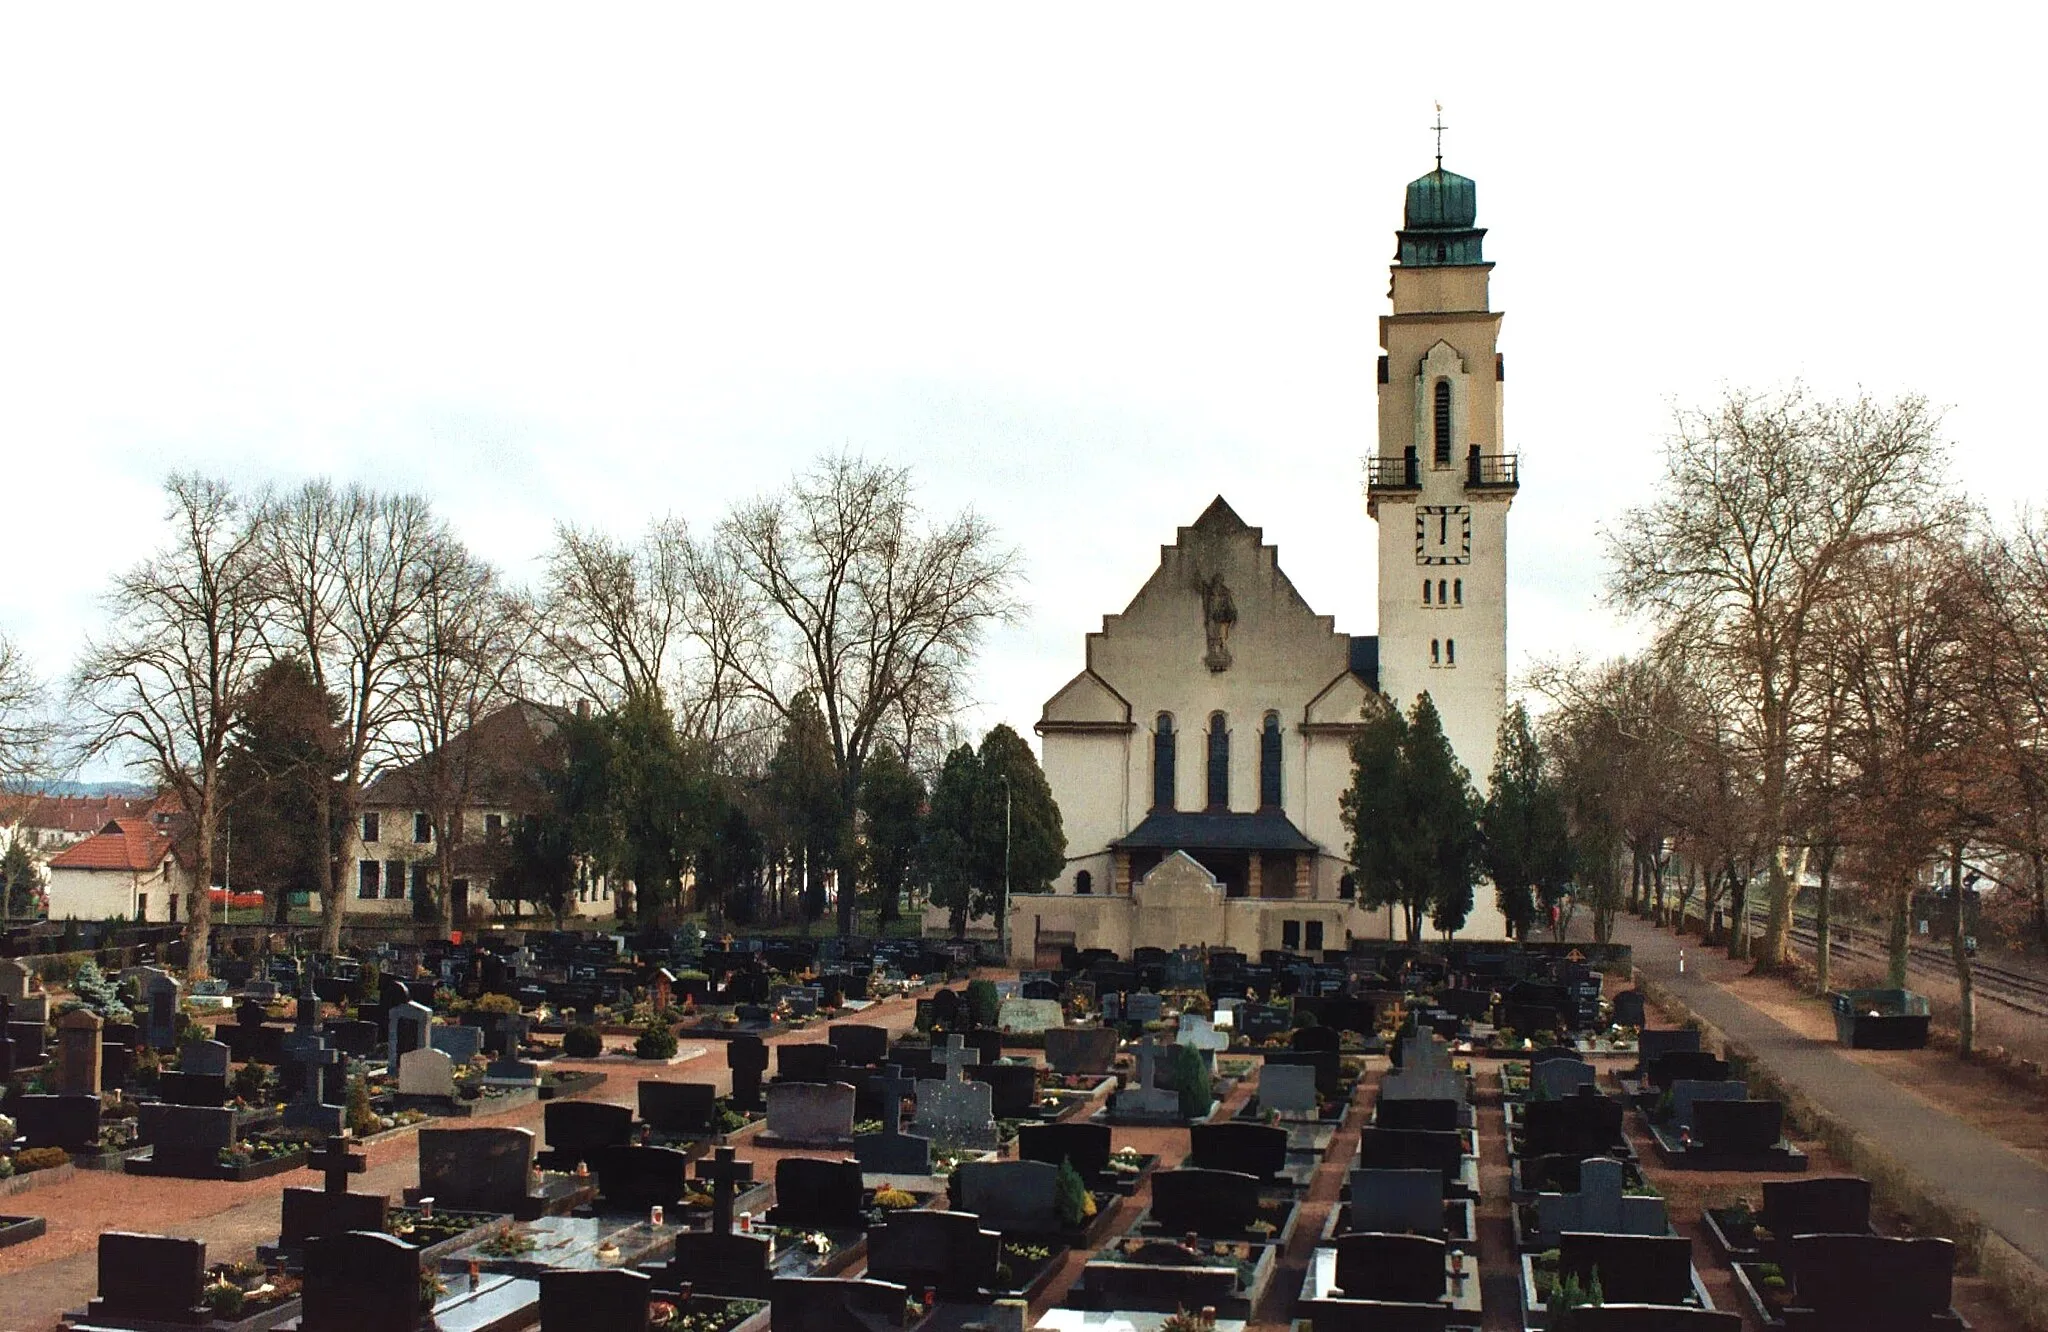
[(726, 1173), (337, 1162), (1439, 127)]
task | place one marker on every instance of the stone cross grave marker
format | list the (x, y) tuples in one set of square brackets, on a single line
[(78, 1053), (892, 1151), (953, 1111), (1599, 1206), (747, 1057), (726, 1172), (1141, 1097)]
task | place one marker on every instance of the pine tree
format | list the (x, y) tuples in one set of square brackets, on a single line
[(98, 993)]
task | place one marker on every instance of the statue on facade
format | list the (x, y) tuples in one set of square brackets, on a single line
[(1219, 613)]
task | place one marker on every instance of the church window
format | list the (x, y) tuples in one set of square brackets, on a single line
[(1450, 652), (1436, 653), (1441, 599), (1458, 591), (1347, 887), (1219, 762), (1269, 763), (1425, 592), (1084, 883), (1162, 762), (1443, 423)]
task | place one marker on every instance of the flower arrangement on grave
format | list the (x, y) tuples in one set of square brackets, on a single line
[(1183, 1321), (6, 1167), (117, 1135), (696, 1197), (1126, 1161), (432, 1288), (667, 1316), (31, 1159), (407, 1223), (894, 1200), (250, 1085), (507, 1241), (817, 1241)]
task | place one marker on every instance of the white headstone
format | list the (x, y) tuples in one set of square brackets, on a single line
[(1019, 1016), (426, 1072)]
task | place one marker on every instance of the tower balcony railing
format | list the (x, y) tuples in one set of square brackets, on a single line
[(1483, 471)]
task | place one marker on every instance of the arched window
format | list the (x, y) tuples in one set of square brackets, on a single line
[(1458, 591), (1436, 653), (1441, 599), (1269, 763), (1443, 423), (1450, 652), (1219, 762), (1162, 762), (1425, 591), (1084, 883)]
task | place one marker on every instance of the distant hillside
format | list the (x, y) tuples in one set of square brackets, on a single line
[(89, 789)]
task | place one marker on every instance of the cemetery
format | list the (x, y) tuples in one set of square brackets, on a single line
[(946, 1149)]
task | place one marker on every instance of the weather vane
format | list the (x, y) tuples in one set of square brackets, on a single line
[(1439, 128)]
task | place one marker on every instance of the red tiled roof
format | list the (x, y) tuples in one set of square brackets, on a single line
[(124, 844), (72, 814)]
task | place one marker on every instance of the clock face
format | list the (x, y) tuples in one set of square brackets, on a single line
[(1443, 534)]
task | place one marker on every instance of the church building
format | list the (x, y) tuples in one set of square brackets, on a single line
[(1199, 757)]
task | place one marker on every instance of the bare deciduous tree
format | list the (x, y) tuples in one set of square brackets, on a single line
[(184, 641), (1763, 502), (615, 616), (349, 570), (839, 588), (28, 732)]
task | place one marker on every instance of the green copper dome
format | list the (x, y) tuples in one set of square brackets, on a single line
[(1437, 225)]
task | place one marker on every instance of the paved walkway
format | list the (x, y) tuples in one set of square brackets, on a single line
[(2007, 1191)]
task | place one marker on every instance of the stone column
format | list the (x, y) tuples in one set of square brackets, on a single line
[(1120, 872), (1255, 875), (1302, 867), (78, 1053)]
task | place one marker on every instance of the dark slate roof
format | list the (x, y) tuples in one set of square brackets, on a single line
[(1176, 830), (1365, 659)]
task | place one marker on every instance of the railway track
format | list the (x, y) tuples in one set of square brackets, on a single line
[(2015, 989)]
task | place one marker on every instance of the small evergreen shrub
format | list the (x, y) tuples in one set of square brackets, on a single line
[(657, 1042), (582, 1042), (1191, 1081), (982, 1002)]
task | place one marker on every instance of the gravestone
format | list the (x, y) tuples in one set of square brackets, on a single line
[(1397, 1201), (477, 1169), (427, 1072), (159, 991), (1871, 1281), (1316, 1040), (892, 1151), (1014, 1197), (1080, 1050), (945, 1252), (1258, 1150), (1261, 1021), (361, 1282), (1429, 1116), (316, 1073), (1650, 1044), (595, 1301), (810, 1114), (954, 1112), (1583, 1125), (360, 1039), (678, 1109), (332, 1209), (814, 1062), (1142, 1099), (70, 1122), (1288, 1088), (720, 1261), (577, 1131), (1599, 1205), (409, 1024), (1837, 1205), (460, 1044), (1652, 1318), (510, 1071), (28, 1042), (15, 978), (1686, 1093), (181, 1088), (1629, 1009), (1030, 1016), (1555, 1079), (1411, 1149), (1738, 1127), (858, 1044), (1143, 1006), (818, 1195), (187, 1139), (1634, 1269), (1086, 1145), (1217, 1204), (1697, 1065), (78, 1053), (205, 1057), (149, 1279), (1013, 1089), (829, 1304), (1198, 1033), (632, 1179), (1402, 1269)]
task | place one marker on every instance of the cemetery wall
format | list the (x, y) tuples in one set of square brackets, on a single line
[(2010, 1273)]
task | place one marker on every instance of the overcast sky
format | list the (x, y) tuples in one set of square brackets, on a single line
[(1082, 266)]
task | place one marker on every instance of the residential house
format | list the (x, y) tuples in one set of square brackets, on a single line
[(132, 868)]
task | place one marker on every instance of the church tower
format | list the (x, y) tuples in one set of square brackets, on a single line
[(1441, 483)]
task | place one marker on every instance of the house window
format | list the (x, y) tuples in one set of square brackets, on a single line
[(1450, 652), (1219, 761), (494, 826), (1269, 763), (1290, 934), (1425, 592), (394, 879), (370, 829), (1458, 591), (1314, 937), (419, 881), (422, 828), (1436, 653), (368, 875), (1443, 423), (1162, 762), (1084, 883)]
